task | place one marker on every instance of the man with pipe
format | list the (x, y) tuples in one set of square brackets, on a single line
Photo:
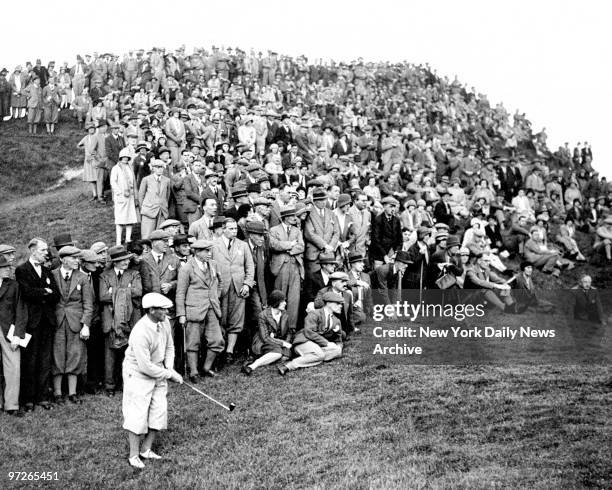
[(148, 364)]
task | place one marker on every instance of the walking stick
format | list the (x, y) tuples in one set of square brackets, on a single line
[(184, 349), (421, 284)]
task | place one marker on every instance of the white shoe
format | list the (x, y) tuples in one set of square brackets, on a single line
[(135, 462), (148, 454)]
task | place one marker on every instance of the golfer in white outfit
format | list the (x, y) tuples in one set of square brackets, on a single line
[(148, 364)]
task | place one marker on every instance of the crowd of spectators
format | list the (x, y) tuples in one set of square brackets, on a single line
[(274, 200)]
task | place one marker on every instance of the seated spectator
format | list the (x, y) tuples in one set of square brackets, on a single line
[(272, 340), (490, 286)]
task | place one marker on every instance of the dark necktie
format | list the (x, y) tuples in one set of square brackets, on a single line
[(229, 245), (119, 275), (67, 277)]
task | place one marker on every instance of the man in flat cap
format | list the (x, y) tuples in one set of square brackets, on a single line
[(338, 283), (148, 365), (74, 314), (120, 290), (40, 294), (321, 338), (198, 308), (286, 261), (153, 196)]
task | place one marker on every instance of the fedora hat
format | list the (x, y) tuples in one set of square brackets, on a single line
[(117, 253)]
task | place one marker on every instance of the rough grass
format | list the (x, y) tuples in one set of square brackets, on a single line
[(30, 164), (344, 425), (352, 423)]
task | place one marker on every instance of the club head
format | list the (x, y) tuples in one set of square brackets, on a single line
[(232, 406)]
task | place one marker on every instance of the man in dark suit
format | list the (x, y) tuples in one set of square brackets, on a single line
[(12, 313), (284, 133), (588, 305), (442, 210), (317, 280), (386, 232), (40, 294), (113, 144)]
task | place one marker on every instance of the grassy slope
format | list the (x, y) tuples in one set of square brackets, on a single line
[(350, 423)]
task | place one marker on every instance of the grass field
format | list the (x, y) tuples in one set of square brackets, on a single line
[(348, 424), (353, 423)]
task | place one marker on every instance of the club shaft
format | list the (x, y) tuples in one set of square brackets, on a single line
[(209, 397)]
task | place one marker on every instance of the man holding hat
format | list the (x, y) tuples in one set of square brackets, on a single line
[(39, 293), (286, 261), (120, 290), (321, 338), (74, 314), (148, 364), (13, 313), (320, 231), (153, 196), (198, 308)]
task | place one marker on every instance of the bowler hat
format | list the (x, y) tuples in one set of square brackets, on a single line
[(62, 240), (180, 239)]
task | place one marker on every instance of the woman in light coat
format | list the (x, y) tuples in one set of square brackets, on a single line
[(122, 181), (90, 175)]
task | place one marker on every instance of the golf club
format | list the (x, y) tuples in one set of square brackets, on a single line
[(229, 408)]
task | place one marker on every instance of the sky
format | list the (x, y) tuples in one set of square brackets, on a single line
[(548, 59)]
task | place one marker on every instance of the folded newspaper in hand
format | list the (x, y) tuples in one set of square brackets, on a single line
[(23, 342)]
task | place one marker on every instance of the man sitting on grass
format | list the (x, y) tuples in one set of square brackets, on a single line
[(321, 338)]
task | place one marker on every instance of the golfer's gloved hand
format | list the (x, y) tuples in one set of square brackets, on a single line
[(176, 377)]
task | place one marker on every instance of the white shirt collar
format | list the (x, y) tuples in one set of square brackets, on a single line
[(63, 272)]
